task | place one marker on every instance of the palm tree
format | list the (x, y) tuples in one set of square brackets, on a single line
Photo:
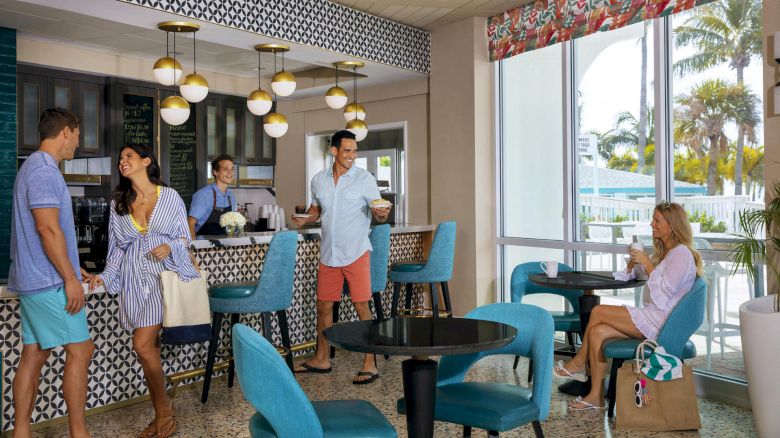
[(629, 132), (702, 114), (723, 31)]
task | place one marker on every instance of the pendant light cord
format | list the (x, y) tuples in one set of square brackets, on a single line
[(167, 43), (272, 88), (173, 70), (259, 87), (354, 89), (337, 75), (194, 59)]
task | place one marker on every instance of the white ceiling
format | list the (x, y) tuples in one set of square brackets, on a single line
[(128, 30), (431, 14)]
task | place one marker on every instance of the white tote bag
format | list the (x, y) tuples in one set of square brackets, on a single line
[(186, 313)]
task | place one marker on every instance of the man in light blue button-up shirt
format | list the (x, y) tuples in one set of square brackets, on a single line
[(342, 199)]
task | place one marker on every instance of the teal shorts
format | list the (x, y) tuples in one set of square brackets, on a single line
[(46, 322)]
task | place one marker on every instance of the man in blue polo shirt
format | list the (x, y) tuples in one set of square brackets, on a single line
[(45, 274), (214, 200)]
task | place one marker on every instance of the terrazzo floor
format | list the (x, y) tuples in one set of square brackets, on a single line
[(227, 413)]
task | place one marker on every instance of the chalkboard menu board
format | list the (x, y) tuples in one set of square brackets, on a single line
[(138, 120), (183, 175)]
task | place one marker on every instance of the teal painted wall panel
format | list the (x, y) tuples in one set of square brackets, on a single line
[(7, 141)]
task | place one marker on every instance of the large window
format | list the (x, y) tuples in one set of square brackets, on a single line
[(596, 131), (532, 114)]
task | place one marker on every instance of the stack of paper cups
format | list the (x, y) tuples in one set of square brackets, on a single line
[(265, 211), (271, 222)]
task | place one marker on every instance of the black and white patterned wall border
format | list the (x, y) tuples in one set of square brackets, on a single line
[(114, 373), (318, 23)]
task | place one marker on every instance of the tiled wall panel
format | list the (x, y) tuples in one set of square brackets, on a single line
[(318, 23)]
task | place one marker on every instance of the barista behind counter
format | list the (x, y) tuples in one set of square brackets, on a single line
[(214, 200)]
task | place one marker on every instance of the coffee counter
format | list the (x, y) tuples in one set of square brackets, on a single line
[(115, 375)]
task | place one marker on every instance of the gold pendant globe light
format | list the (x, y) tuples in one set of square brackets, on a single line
[(336, 97), (283, 82), (175, 110), (275, 125), (167, 70), (259, 102), (354, 112), (359, 128), (354, 109), (194, 87)]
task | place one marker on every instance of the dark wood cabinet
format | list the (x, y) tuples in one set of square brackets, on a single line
[(39, 89), (227, 127)]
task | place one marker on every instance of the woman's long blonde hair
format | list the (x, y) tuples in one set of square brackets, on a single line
[(675, 214)]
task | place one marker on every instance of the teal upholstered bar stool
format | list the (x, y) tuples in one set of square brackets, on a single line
[(283, 410), (493, 406), (272, 293), (437, 269), (686, 317), (565, 321), (380, 253)]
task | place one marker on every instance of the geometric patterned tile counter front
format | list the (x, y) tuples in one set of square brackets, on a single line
[(115, 375)]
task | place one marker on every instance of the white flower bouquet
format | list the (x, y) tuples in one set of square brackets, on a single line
[(233, 222)]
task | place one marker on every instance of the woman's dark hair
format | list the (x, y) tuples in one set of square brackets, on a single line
[(123, 194)]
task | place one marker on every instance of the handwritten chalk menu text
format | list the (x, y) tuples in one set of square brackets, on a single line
[(181, 156), (138, 120)]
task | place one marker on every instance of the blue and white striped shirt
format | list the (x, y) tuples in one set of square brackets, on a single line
[(132, 273)]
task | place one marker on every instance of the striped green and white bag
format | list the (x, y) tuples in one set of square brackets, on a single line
[(660, 366)]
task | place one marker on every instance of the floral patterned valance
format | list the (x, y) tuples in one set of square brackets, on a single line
[(547, 22)]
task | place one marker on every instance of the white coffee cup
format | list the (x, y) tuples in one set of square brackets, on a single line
[(550, 268), (637, 246)]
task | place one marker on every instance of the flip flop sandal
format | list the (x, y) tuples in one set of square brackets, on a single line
[(560, 371), (150, 431), (585, 405), (373, 377), (310, 369)]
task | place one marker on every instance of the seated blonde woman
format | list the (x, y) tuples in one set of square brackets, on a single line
[(672, 269)]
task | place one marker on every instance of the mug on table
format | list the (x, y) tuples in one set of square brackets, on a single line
[(550, 268)]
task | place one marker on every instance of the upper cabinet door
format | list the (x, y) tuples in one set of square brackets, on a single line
[(90, 108), (32, 99), (213, 123), (251, 134)]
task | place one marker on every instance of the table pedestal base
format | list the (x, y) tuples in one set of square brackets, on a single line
[(419, 377)]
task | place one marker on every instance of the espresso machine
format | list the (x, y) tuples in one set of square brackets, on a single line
[(90, 215)]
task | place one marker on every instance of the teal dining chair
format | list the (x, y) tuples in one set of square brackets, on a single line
[(271, 293), (437, 269), (686, 317), (284, 410), (567, 321), (380, 253), (499, 407)]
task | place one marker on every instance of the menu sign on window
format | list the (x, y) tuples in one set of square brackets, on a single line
[(138, 120), (183, 175)]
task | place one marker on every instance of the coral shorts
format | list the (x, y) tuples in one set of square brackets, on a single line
[(330, 280)]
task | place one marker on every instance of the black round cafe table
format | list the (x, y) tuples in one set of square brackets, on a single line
[(587, 281), (420, 338)]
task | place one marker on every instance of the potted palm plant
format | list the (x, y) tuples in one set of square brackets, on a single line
[(759, 318)]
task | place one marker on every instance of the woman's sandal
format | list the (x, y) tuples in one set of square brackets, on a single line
[(150, 431), (168, 424), (561, 371), (584, 406)]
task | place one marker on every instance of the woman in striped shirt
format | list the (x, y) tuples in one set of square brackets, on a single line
[(148, 234)]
